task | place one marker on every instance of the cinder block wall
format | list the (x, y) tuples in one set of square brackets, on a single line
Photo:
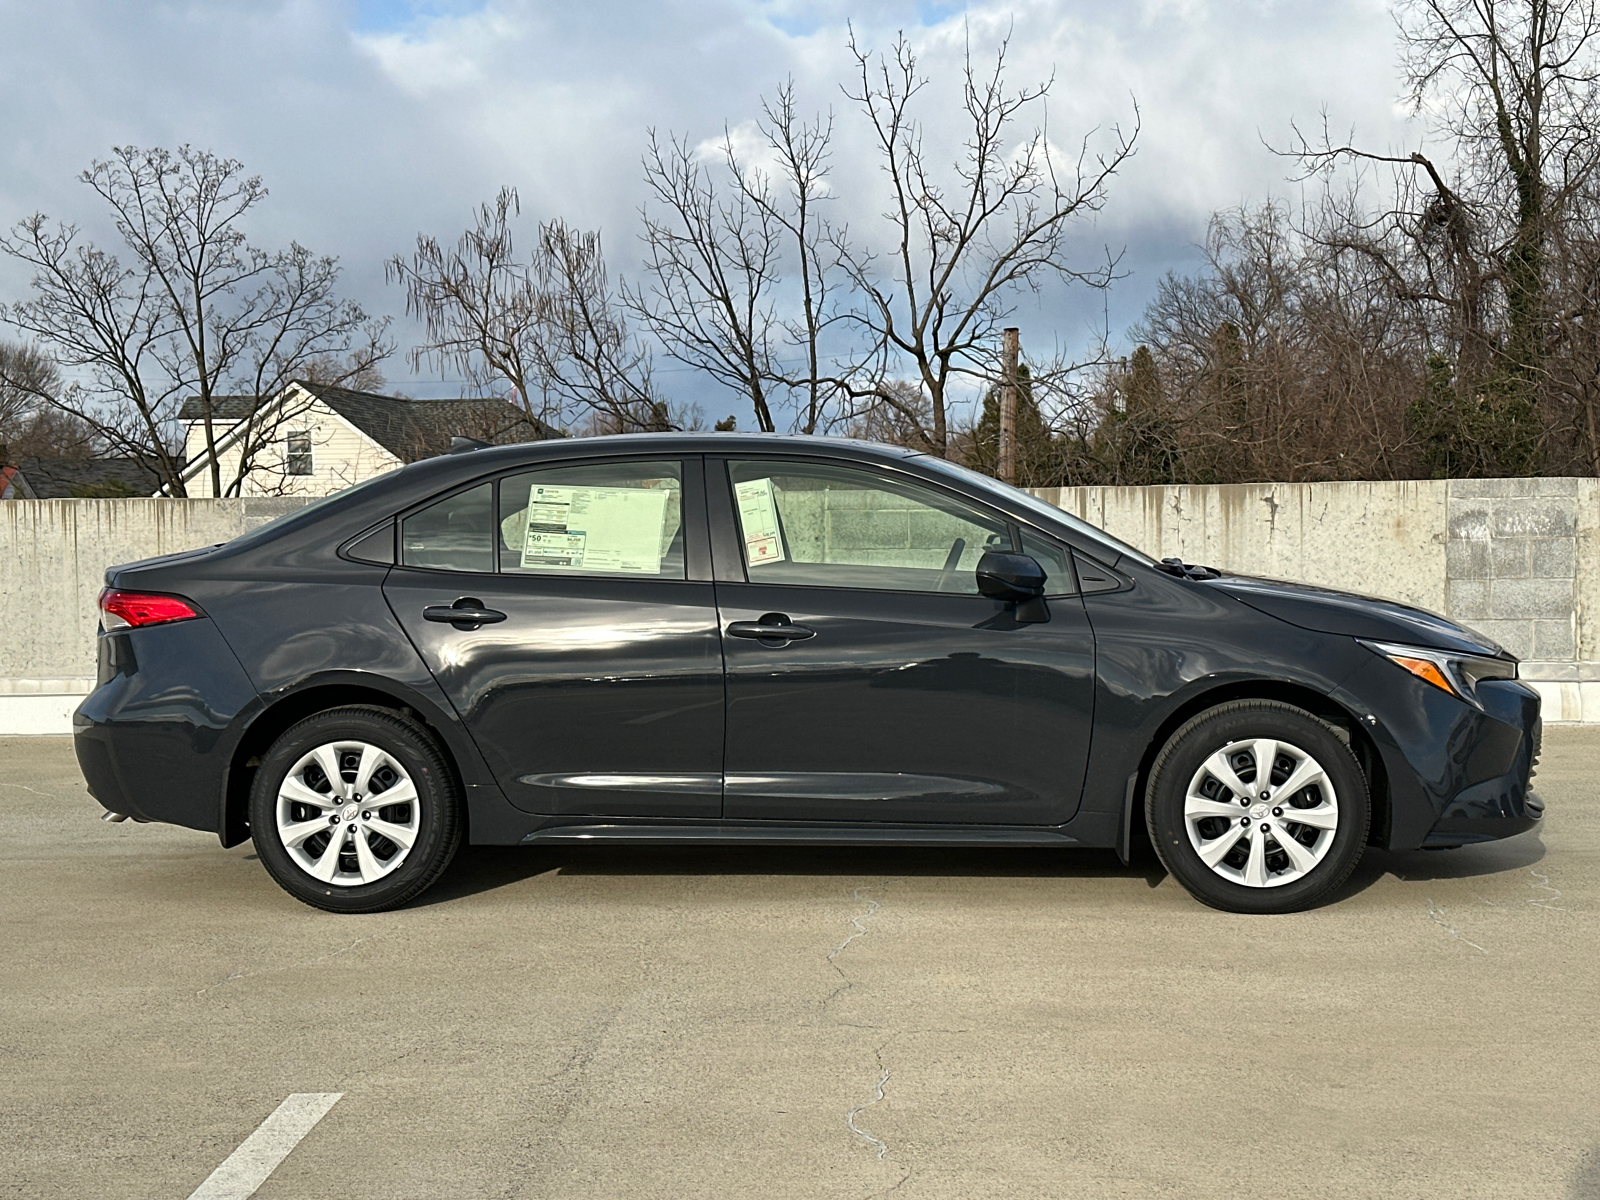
[(1517, 559)]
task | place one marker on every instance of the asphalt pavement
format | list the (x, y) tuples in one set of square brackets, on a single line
[(599, 1022)]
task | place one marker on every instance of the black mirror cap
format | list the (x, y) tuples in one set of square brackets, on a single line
[(1006, 576)]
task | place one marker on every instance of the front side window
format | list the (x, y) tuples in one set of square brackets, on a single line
[(1054, 558), (836, 526), (297, 453), (608, 518)]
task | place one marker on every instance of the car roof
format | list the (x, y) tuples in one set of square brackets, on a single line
[(684, 443)]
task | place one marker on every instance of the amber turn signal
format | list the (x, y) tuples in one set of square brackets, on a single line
[(1422, 668)]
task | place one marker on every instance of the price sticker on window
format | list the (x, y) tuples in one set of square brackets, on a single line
[(595, 529), (758, 516)]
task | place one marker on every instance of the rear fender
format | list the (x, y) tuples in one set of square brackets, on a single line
[(271, 715)]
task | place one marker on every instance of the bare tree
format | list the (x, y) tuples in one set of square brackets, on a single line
[(1282, 359), (1509, 88), (590, 359), (197, 313), (804, 151), (962, 246), (480, 306), (547, 328), (719, 258), (715, 263), (28, 426)]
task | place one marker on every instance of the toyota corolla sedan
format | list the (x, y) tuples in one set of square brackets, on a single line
[(776, 640)]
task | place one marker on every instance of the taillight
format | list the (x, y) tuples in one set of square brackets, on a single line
[(125, 610)]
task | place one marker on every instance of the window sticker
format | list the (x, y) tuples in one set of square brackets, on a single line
[(758, 516), (595, 529)]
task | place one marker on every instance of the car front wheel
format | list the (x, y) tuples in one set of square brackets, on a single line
[(1258, 807), (355, 810)]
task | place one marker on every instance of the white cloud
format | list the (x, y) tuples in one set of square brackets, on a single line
[(367, 137)]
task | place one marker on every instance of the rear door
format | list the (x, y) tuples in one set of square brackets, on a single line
[(593, 681), (867, 678)]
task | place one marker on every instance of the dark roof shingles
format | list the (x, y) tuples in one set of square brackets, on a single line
[(408, 429), (63, 478)]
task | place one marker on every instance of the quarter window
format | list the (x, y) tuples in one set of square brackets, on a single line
[(815, 523), (609, 518)]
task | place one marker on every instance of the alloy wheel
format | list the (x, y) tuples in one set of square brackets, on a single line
[(348, 813), (1261, 812)]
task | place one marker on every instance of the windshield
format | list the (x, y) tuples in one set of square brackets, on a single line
[(1043, 508), (301, 514)]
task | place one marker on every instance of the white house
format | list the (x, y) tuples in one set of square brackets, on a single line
[(314, 438)]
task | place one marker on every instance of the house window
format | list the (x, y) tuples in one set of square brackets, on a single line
[(297, 453)]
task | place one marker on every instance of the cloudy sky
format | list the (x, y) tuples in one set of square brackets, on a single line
[(373, 119)]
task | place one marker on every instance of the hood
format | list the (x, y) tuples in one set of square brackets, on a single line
[(1325, 610)]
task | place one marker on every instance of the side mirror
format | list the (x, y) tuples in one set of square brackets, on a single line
[(1006, 576)]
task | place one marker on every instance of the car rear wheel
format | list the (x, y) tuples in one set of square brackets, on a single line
[(355, 810), (1258, 807)]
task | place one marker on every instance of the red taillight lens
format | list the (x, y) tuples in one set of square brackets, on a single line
[(122, 610)]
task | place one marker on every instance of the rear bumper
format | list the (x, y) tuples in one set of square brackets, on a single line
[(154, 737)]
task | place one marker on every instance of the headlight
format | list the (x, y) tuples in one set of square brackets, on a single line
[(1457, 674)]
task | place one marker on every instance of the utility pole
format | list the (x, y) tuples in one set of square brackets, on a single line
[(1008, 406)]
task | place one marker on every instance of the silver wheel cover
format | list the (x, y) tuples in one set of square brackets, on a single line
[(348, 814), (1261, 813)]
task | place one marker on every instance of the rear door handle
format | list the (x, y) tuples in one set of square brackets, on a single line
[(465, 613), (761, 630)]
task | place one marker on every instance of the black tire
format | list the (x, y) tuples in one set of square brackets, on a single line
[(438, 804), (1215, 729)]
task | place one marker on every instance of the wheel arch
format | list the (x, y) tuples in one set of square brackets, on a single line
[(294, 706), (1318, 704)]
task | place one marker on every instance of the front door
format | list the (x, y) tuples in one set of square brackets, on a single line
[(887, 688), (594, 686)]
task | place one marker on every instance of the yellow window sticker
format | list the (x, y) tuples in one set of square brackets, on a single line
[(595, 529)]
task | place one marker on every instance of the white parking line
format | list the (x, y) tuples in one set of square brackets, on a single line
[(247, 1168)]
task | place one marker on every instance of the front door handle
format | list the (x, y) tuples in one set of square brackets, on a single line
[(466, 613), (773, 626)]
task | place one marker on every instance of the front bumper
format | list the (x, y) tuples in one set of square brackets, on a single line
[(1495, 808), (1453, 773)]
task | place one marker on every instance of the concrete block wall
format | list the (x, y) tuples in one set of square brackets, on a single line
[(53, 559), (1517, 559), (1511, 563)]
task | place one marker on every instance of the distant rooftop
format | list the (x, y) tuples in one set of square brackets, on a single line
[(408, 429)]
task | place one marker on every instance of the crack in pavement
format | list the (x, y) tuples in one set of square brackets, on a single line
[(1436, 914), (850, 1117), (859, 921), (857, 894), (25, 788), (310, 962), (1546, 902), (884, 1074), (554, 1098)]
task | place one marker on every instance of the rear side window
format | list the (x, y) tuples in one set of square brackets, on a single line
[(605, 518), (453, 534)]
